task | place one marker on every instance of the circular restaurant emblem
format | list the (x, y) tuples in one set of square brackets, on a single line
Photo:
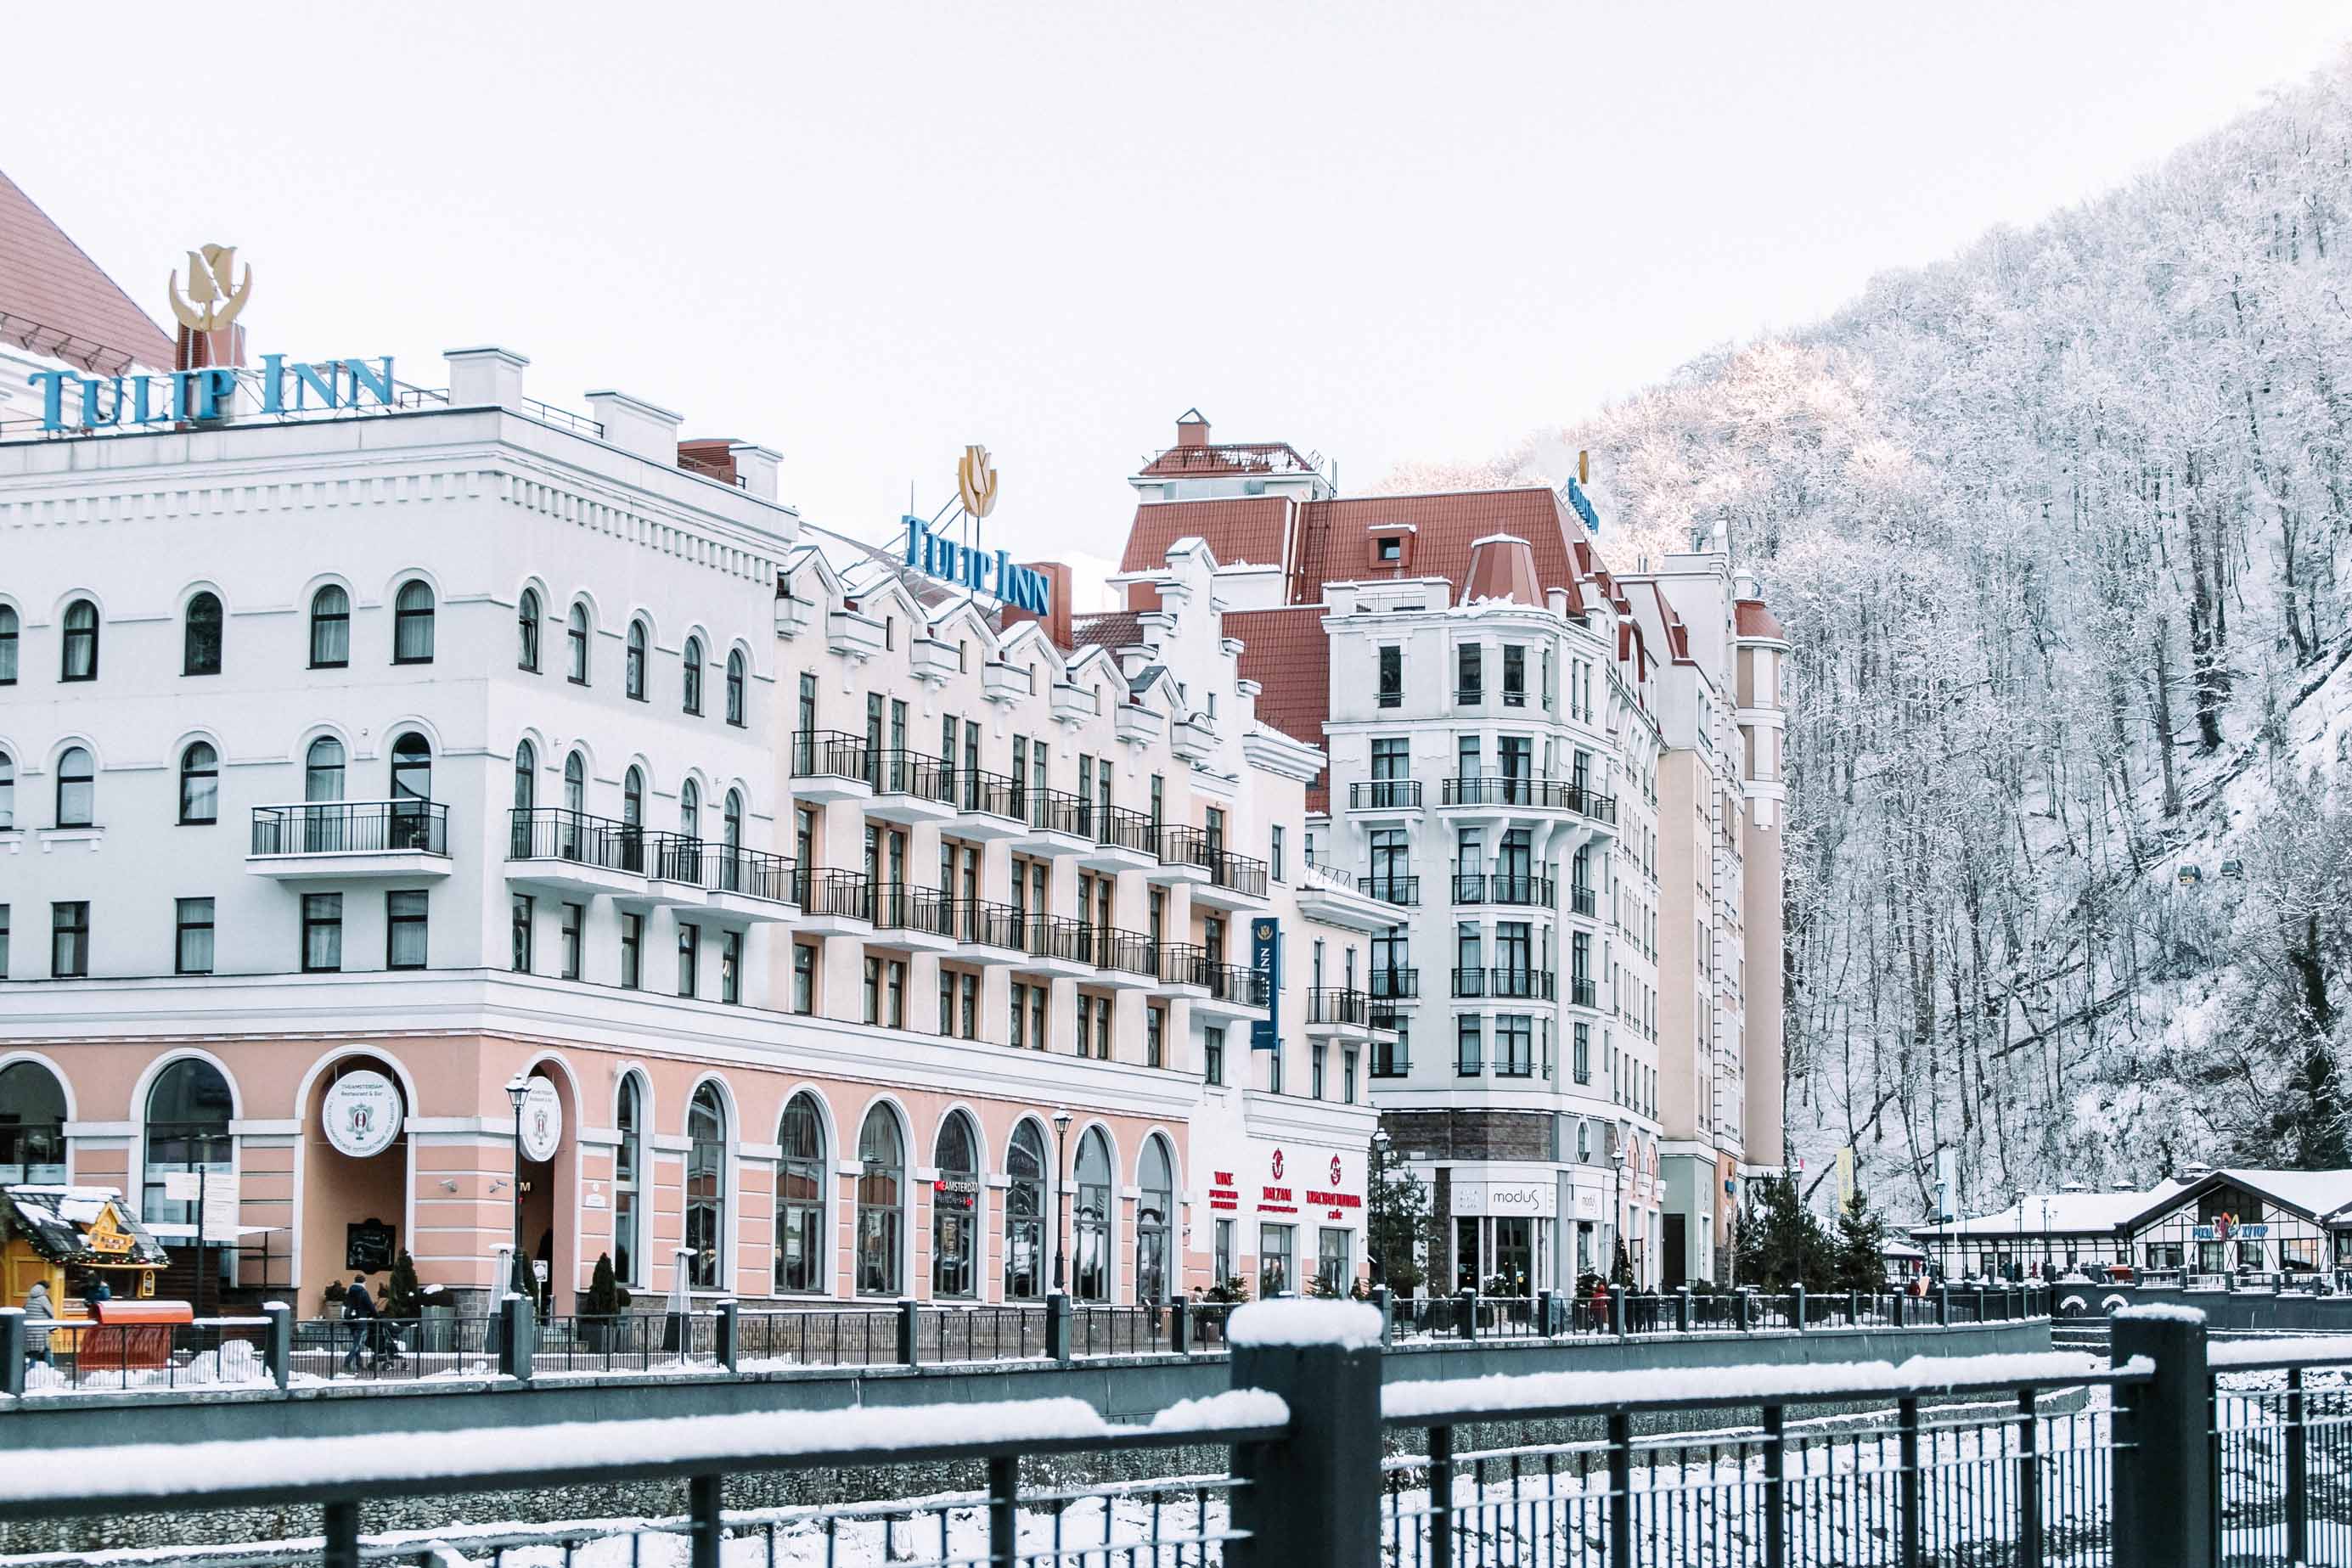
[(542, 1121), (1335, 1170), (1277, 1164), (361, 1114)]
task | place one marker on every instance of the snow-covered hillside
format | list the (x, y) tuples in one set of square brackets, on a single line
[(2060, 528)]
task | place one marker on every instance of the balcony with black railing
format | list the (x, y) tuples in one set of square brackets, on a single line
[(1582, 993), (832, 765), (835, 903), (1402, 890), (1501, 887), (988, 805), (1124, 839), (1391, 1058), (751, 882), (1512, 792), (1058, 945), (1235, 990), (350, 840), (1183, 963), (990, 932), (1057, 821), (1507, 985), (1394, 984), (910, 786), (1582, 900), (907, 916), (1384, 795), (1231, 880), (574, 853), (1128, 961)]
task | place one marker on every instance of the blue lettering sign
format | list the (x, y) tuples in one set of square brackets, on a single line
[(1266, 964), (1020, 587), (72, 401)]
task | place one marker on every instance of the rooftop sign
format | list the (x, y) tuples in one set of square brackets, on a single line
[(70, 400), (968, 566)]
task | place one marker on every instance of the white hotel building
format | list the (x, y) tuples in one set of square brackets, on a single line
[(468, 742)]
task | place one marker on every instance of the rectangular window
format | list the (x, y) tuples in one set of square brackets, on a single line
[(1274, 854), (894, 993), (1018, 1012), (4, 941), (1037, 999), (1273, 1071), (947, 1005), (1316, 1061), (1335, 1267), (322, 932), (968, 995), (1159, 797), (731, 968), (807, 710), (69, 940), (803, 977), (1514, 675), (633, 951), (1470, 675), (1275, 1256), (1469, 1047), (873, 988), (1213, 1055), (520, 961), (404, 930), (1392, 680), (1348, 1077), (1155, 1029), (191, 947), (689, 959), (575, 919), (1223, 1260), (1514, 1046), (1583, 1063), (1086, 1028)]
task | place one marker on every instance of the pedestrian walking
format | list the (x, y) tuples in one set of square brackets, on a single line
[(39, 1312), (358, 1308)]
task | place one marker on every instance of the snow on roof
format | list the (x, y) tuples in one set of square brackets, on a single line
[(2067, 1214), (2317, 1193), (1351, 1325)]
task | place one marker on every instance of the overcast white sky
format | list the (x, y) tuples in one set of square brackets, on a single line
[(865, 234)]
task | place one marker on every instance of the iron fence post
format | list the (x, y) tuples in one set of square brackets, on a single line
[(1004, 1511), (1310, 1500), (1776, 1491), (1746, 1302), (1943, 1306), (277, 1346), (909, 1325), (1980, 1303), (1908, 1442), (1543, 1314), (728, 1343), (1380, 1305), (1180, 1336), (12, 1350), (1621, 1491), (1797, 1307), (1441, 1497), (514, 1337), (702, 1507), (2163, 1506), (1468, 1327), (2298, 1471), (2029, 1481), (1682, 1309), (341, 1547), (1854, 1308), (1057, 1327)]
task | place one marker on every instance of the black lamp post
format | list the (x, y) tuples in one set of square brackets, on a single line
[(1379, 1184), (1617, 1202), (1061, 1166), (518, 1091)]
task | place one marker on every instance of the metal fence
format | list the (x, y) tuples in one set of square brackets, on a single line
[(80, 1355), (2170, 1452)]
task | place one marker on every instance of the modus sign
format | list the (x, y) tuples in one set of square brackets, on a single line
[(71, 402)]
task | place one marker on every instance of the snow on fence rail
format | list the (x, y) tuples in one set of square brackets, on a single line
[(2162, 1455)]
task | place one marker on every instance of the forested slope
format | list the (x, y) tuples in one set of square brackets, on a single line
[(2059, 529)]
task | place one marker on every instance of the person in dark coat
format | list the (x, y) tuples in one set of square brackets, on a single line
[(359, 1308)]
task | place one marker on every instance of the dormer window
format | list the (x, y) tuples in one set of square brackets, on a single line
[(1388, 550)]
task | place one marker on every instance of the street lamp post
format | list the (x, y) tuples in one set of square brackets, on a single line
[(1061, 1166), (1617, 1206), (1380, 1176), (517, 1089)]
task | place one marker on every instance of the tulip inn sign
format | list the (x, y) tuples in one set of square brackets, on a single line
[(72, 401), (968, 566)]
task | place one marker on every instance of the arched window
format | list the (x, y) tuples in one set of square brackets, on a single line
[(32, 1126), (412, 792), (1091, 1225), (200, 652), (330, 629), (955, 1210), (1152, 1213), (80, 661), (632, 798), (412, 624), (706, 1188), (322, 771), (575, 637), (628, 1180), (693, 675), (730, 837), (801, 1240), (1024, 1215), (633, 673), (7, 790), (882, 1159), (526, 788), (689, 809), (9, 628), (735, 687), (575, 804), (77, 787), (187, 1130), (527, 619), (199, 784)]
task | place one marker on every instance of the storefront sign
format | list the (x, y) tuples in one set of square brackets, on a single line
[(1265, 962), (73, 402), (361, 1114), (969, 566), (1588, 1206), (542, 1121), (2227, 1232), (106, 1234), (1497, 1197), (1224, 1193)]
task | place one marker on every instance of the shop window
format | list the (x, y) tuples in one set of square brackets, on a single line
[(882, 1174), (32, 1126), (1091, 1223), (1024, 1215), (1277, 1248), (629, 1179), (955, 1210), (706, 1189), (801, 1239), (187, 1116)]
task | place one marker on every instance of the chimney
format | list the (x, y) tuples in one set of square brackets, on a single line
[(757, 467), (1743, 584), (1191, 429), (1058, 615), (193, 351), (635, 426), (713, 459), (485, 378)]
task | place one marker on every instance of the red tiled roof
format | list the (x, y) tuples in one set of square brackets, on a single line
[(54, 300), (1286, 652), (1251, 528), (1754, 620), (1119, 629), (1252, 457), (1334, 538)]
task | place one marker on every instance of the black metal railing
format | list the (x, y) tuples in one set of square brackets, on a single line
[(547, 833), (986, 925), (1498, 887), (754, 873), (1583, 993), (1181, 844), (1581, 899), (352, 827), (1391, 1059), (1056, 812), (1235, 984), (844, 895), (990, 795), (1057, 937), (674, 857), (1402, 889), (1534, 794), (1126, 952), (1513, 984), (1385, 794), (911, 773), (1120, 828), (832, 753), (1338, 1005), (1183, 964), (1393, 984), (903, 907)]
